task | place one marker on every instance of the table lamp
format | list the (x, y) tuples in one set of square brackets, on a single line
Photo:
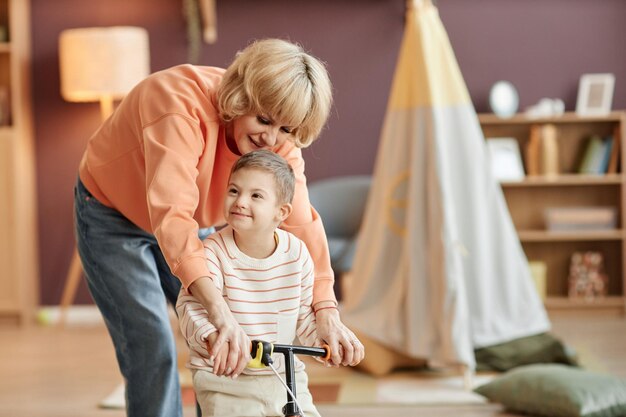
[(99, 65), (102, 64)]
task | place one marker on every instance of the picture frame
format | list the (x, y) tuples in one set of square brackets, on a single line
[(595, 94), (505, 159)]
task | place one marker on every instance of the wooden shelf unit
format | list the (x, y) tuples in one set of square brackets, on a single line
[(19, 274), (528, 199)]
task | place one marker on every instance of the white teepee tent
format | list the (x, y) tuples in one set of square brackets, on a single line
[(439, 270)]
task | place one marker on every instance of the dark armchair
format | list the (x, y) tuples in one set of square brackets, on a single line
[(341, 201)]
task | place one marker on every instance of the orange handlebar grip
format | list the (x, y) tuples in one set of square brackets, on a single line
[(328, 352)]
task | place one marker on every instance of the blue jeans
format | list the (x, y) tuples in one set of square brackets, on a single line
[(131, 283)]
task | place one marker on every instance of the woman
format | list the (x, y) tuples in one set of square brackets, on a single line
[(153, 176)]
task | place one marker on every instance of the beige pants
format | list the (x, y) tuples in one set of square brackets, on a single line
[(248, 396)]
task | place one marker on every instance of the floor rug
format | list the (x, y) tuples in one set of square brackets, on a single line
[(348, 386), (116, 399), (345, 385), (351, 387)]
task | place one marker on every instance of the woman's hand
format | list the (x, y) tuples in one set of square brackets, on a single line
[(346, 348), (230, 335)]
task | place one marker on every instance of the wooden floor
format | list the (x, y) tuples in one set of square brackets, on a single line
[(49, 372)]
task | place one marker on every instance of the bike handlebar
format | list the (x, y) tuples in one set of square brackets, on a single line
[(262, 352)]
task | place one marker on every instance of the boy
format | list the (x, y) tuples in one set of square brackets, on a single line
[(265, 275)]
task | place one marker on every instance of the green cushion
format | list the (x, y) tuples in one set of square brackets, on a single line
[(540, 348), (558, 391)]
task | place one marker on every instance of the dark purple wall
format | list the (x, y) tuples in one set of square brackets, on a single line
[(540, 46)]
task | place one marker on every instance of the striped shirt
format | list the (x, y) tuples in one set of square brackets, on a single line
[(270, 298)]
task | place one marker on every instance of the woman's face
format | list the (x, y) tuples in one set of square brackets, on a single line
[(252, 132)]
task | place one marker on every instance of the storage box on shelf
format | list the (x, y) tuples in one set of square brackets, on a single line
[(531, 199), (18, 236)]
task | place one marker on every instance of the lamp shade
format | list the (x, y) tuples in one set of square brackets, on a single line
[(102, 62)]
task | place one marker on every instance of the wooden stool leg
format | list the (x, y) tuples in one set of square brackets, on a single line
[(71, 285)]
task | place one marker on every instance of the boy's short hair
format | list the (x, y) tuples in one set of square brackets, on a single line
[(279, 78), (268, 161)]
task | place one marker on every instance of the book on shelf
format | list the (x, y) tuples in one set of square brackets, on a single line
[(597, 155), (615, 151), (563, 219), (538, 271), (606, 155)]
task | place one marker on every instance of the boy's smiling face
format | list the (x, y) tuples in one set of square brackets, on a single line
[(251, 203)]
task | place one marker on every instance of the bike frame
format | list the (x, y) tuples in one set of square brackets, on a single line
[(290, 409)]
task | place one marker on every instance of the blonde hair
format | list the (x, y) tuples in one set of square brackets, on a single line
[(277, 79), (268, 161)]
